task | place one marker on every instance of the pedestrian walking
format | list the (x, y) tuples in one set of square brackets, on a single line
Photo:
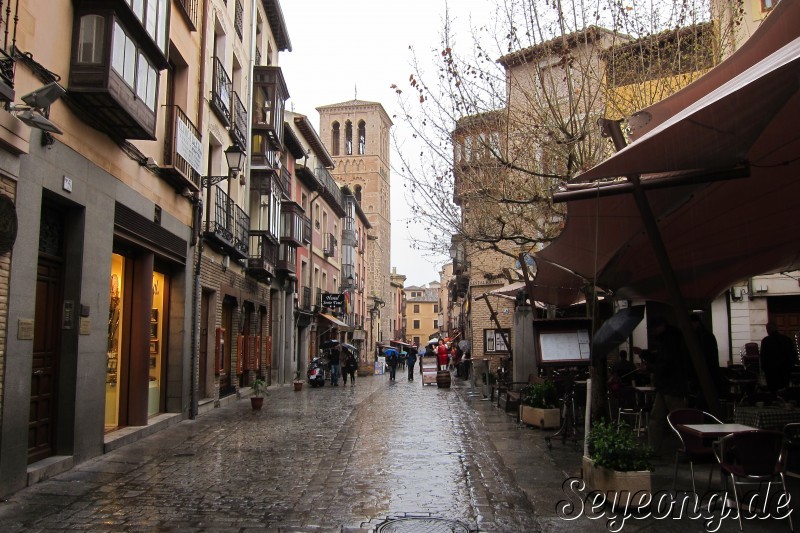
[(391, 362), (350, 367), (411, 358), (333, 359)]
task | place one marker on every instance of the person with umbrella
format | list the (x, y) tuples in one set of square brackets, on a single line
[(350, 366), (391, 362)]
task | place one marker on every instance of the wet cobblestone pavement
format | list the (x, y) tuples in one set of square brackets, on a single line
[(328, 459)]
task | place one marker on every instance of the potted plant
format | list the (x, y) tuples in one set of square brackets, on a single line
[(618, 465), (298, 380), (259, 388), (538, 405)]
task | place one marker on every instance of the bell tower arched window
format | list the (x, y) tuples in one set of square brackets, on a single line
[(348, 138), (362, 138), (335, 138)]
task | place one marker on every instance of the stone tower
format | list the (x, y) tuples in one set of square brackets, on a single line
[(356, 133)]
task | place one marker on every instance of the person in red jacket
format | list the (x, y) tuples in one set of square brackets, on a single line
[(442, 355)]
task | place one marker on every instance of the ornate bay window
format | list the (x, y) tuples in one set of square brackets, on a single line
[(118, 49), (269, 96)]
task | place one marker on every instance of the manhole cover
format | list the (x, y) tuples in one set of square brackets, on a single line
[(422, 524)]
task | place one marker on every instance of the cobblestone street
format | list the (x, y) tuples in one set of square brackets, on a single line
[(327, 459)]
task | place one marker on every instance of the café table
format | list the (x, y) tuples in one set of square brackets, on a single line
[(767, 417), (715, 431)]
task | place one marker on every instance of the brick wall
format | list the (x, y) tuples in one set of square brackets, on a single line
[(232, 282)]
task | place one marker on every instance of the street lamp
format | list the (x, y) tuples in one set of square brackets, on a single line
[(234, 156)]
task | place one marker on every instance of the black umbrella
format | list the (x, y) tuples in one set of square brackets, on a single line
[(616, 330), (349, 347), (328, 344)]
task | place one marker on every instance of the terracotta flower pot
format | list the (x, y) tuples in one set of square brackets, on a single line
[(257, 402), (298, 385)]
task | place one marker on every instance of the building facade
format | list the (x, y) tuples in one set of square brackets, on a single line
[(133, 197)]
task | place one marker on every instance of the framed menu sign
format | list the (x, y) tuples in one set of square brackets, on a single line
[(562, 342)]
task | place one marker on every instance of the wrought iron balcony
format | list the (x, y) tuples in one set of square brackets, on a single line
[(238, 120), (227, 224), (183, 149), (238, 21), (191, 11), (263, 259), (221, 93)]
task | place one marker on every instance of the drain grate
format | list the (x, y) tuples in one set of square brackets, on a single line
[(421, 524), (183, 454)]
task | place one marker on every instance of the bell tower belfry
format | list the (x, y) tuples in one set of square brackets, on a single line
[(357, 135)]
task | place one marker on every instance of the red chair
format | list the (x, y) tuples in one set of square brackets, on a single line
[(754, 457), (693, 449)]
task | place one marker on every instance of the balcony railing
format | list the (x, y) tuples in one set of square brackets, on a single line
[(191, 11), (285, 181), (305, 299), (238, 120), (238, 21), (221, 93), (329, 245), (318, 298), (263, 258), (228, 224), (8, 27), (331, 188), (183, 149)]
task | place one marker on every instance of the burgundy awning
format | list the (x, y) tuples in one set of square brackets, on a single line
[(715, 233)]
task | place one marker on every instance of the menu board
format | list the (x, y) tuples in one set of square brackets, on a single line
[(565, 346), (562, 342)]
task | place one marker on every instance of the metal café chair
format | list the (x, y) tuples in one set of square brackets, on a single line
[(754, 457), (693, 449)]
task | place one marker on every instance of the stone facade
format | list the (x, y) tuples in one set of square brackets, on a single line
[(365, 168)]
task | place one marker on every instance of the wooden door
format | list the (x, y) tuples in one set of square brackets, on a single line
[(204, 391), (44, 370), (226, 383)]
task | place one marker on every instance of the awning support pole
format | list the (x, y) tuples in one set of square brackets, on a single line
[(493, 316), (612, 129)]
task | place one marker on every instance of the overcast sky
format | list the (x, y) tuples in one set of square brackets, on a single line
[(334, 54)]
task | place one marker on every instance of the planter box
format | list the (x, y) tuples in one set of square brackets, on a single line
[(541, 418), (622, 489)]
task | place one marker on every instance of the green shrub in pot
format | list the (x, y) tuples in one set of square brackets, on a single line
[(614, 446), (542, 395)]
